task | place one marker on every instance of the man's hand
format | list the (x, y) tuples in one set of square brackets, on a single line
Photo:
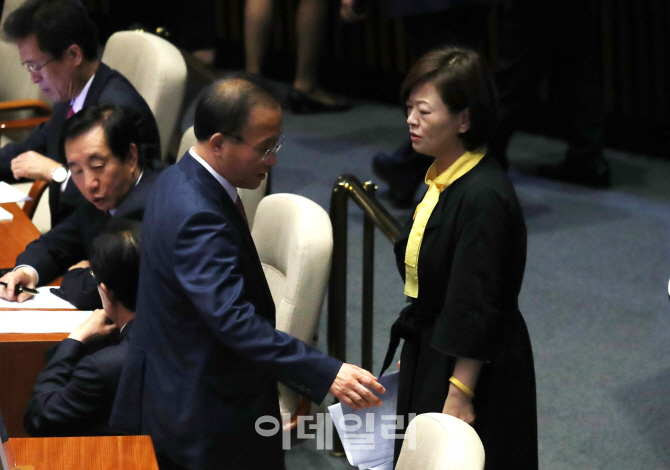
[(347, 11), (97, 326), (23, 276), (348, 387), (34, 166), (81, 264), (458, 404)]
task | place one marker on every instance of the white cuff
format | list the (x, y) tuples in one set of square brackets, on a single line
[(37, 275)]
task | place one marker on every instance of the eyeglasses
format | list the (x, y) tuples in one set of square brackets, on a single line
[(33, 67), (266, 152)]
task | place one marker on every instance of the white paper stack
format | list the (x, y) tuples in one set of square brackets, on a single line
[(11, 194), (5, 215), (41, 321), (45, 299), (367, 434)]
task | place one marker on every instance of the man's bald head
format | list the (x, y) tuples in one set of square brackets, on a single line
[(225, 106)]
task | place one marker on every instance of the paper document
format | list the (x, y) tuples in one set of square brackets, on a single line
[(45, 299), (11, 194), (5, 215), (41, 321), (367, 434)]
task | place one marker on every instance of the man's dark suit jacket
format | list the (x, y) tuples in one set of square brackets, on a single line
[(74, 394), (205, 357), (71, 241), (108, 87)]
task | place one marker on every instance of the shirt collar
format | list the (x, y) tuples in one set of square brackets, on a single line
[(230, 189), (113, 211), (461, 166), (78, 102)]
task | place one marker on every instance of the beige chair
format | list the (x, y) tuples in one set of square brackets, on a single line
[(156, 69), (436, 441), (294, 239), (250, 197)]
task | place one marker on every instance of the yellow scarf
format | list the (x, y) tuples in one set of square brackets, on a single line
[(436, 184)]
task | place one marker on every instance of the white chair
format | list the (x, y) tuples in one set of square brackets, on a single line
[(156, 69), (294, 239), (436, 441), (250, 197)]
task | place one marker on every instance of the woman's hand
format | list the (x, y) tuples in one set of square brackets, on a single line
[(458, 404)]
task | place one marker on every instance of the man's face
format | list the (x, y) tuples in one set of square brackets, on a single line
[(101, 177), (56, 78), (244, 159)]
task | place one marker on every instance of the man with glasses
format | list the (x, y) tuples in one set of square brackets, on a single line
[(57, 43), (205, 357)]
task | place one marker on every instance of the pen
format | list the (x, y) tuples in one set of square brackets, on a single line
[(21, 288)]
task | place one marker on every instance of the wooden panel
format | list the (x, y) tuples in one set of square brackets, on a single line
[(20, 363), (90, 453)]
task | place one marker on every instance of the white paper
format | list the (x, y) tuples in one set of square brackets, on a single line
[(11, 194), (5, 215), (45, 299), (41, 321), (370, 445)]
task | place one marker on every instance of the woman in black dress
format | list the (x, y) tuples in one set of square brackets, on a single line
[(466, 352)]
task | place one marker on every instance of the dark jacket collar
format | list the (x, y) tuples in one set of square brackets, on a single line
[(98, 84)]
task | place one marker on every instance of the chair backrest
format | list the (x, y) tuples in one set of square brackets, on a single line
[(436, 441), (294, 239), (250, 197), (156, 69)]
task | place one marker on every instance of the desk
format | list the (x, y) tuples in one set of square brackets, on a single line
[(21, 355), (89, 453)]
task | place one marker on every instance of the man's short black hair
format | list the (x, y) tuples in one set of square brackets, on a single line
[(225, 105), (115, 260), (57, 24), (118, 124)]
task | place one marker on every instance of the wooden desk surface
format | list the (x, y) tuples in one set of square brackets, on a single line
[(85, 453), (15, 235)]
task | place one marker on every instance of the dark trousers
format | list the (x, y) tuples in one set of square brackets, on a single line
[(553, 40)]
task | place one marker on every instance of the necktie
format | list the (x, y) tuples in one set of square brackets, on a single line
[(437, 183), (240, 206), (70, 112)]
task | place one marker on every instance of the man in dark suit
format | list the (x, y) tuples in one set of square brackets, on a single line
[(102, 154), (74, 394), (57, 45), (205, 357)]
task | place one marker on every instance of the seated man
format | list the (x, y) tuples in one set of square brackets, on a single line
[(102, 154), (58, 46), (73, 395)]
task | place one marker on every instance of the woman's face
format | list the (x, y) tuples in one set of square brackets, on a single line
[(433, 129)]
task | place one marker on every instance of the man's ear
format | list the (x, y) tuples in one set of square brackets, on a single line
[(108, 292), (75, 52), (133, 155), (216, 141), (465, 121)]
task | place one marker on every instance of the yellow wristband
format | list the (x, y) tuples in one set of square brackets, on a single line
[(462, 387)]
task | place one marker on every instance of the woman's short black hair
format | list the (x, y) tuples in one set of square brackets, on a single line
[(118, 124), (57, 24), (115, 260), (459, 77)]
